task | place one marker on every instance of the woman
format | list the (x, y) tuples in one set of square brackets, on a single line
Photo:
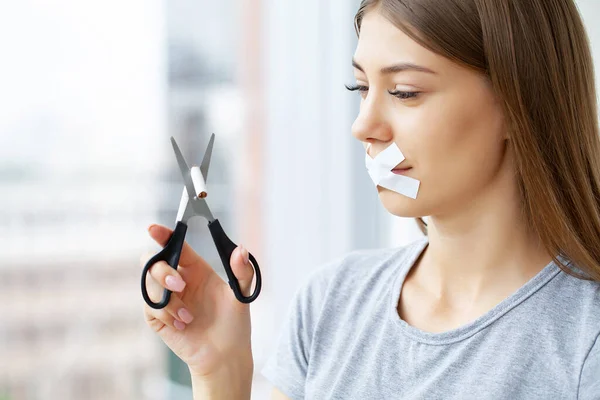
[(493, 105)]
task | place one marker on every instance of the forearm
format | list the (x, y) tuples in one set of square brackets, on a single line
[(231, 383)]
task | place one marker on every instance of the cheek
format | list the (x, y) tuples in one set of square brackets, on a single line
[(454, 144)]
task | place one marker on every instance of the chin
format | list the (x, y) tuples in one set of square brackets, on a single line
[(398, 204)]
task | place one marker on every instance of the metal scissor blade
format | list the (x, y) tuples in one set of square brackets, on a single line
[(185, 170), (206, 159)]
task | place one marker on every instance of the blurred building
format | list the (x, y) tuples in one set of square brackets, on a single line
[(81, 139), (87, 168), (73, 332)]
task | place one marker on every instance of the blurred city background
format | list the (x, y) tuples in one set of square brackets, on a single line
[(90, 92)]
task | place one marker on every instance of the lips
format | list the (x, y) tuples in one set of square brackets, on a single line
[(401, 171)]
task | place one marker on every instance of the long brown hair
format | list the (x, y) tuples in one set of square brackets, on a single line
[(536, 55)]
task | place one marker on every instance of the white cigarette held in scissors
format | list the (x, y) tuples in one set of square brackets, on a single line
[(198, 181)]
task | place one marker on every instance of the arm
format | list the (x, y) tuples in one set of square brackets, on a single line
[(233, 382)]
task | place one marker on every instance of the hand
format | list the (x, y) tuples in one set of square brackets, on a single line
[(203, 324)]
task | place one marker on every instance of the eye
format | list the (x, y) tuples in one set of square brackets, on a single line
[(360, 88), (404, 95)]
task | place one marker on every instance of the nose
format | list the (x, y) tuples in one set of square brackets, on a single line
[(371, 125)]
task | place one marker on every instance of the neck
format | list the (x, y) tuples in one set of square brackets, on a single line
[(482, 252)]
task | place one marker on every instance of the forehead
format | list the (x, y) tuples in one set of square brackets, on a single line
[(381, 42)]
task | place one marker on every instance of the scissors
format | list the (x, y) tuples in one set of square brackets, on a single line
[(193, 204)]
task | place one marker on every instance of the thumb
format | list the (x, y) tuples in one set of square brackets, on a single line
[(161, 234), (242, 269)]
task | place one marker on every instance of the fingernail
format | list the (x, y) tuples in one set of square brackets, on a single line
[(179, 325), (174, 283), (185, 315), (151, 227), (245, 255)]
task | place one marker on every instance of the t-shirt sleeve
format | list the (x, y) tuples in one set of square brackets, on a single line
[(287, 366), (589, 385)]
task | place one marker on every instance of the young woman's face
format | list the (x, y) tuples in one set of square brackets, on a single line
[(447, 124)]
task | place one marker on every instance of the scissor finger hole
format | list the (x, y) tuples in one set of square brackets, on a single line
[(248, 292)]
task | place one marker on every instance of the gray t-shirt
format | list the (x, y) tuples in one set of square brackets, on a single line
[(343, 339)]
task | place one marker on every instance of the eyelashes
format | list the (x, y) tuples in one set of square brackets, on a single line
[(402, 95), (359, 88)]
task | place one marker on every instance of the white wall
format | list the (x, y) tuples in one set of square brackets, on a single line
[(309, 198)]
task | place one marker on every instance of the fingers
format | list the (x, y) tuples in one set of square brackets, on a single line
[(175, 315), (240, 264), (161, 235), (167, 276), (160, 277), (242, 269)]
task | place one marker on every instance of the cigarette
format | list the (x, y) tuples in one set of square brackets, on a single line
[(182, 204), (198, 181)]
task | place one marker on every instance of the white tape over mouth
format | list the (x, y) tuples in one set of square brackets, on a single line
[(380, 170)]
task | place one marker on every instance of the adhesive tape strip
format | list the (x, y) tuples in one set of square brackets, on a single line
[(380, 171)]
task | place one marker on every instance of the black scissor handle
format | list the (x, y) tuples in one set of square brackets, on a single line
[(225, 247), (170, 253)]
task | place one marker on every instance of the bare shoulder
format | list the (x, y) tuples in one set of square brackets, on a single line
[(277, 395)]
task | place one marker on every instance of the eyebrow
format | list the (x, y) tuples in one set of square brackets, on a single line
[(392, 69)]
